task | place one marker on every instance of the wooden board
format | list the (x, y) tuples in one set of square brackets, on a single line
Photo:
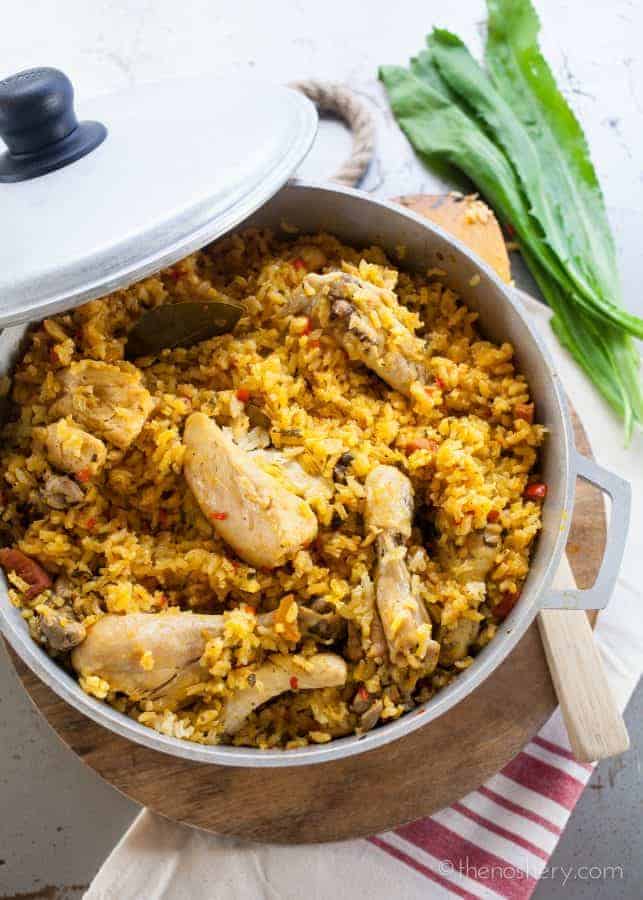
[(412, 777)]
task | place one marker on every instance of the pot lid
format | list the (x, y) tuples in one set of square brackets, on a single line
[(157, 172)]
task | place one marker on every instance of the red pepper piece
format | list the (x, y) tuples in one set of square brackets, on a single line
[(525, 411), (536, 491), (420, 444), (502, 610), (27, 569)]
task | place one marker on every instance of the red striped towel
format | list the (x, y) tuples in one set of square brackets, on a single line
[(497, 840), (493, 843)]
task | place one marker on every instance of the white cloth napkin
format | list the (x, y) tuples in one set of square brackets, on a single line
[(493, 843)]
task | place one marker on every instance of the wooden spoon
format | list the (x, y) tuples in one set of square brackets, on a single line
[(594, 723), (468, 219)]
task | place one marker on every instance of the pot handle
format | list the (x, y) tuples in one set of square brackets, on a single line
[(620, 492), (341, 101)]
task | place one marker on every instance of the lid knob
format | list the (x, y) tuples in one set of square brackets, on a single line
[(39, 126)]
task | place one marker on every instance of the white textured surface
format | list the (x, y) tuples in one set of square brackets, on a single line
[(59, 820)]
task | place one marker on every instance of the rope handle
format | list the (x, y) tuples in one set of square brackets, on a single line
[(329, 96)]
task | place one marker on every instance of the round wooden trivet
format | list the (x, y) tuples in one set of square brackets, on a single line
[(412, 777)]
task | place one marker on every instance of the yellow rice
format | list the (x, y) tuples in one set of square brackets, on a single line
[(139, 542)]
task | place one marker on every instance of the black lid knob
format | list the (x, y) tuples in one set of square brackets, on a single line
[(39, 126)]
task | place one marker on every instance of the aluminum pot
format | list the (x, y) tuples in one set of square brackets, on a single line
[(360, 220)]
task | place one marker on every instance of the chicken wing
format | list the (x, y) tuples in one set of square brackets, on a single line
[(362, 319), (279, 674), (264, 522), (407, 627)]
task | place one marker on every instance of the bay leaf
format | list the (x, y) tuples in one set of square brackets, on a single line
[(181, 325)]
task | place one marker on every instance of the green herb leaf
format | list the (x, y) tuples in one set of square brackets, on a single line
[(526, 82), (565, 206), (424, 67), (603, 352)]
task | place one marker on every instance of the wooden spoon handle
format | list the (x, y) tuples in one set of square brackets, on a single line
[(594, 724)]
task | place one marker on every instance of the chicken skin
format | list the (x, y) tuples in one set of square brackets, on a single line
[(71, 449), (151, 656), (279, 674), (104, 399), (362, 319), (407, 627), (264, 522)]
